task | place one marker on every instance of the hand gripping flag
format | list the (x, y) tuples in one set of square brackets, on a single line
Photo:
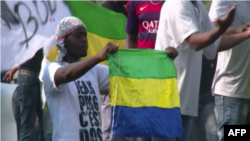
[(144, 94)]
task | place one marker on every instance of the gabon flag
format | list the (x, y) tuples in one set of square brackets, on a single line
[(144, 94)]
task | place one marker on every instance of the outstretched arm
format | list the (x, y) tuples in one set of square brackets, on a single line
[(77, 69), (198, 41), (229, 41)]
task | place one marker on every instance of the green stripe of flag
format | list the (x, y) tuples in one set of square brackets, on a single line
[(137, 64), (96, 17)]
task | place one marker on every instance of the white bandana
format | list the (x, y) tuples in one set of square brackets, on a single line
[(65, 27)]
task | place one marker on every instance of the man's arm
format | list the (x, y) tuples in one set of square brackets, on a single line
[(8, 76), (131, 41), (198, 41), (218, 8), (233, 30), (229, 41), (76, 70)]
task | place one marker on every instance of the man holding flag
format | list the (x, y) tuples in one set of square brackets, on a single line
[(72, 85)]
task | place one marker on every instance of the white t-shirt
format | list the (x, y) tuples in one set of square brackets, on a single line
[(75, 106), (232, 76), (178, 20)]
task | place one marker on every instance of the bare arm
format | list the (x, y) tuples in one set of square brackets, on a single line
[(131, 41), (77, 69), (14, 69), (198, 41), (229, 41), (233, 30), (8, 76)]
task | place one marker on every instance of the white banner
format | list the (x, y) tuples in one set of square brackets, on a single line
[(27, 26)]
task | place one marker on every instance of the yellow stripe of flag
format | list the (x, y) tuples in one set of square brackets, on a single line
[(144, 92)]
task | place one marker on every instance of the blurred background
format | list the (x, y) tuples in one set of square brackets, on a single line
[(206, 2)]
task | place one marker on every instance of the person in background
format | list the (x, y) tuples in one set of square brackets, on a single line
[(27, 98), (186, 26), (118, 7), (142, 23), (231, 81), (205, 123)]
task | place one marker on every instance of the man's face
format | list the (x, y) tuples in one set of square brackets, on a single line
[(76, 43)]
